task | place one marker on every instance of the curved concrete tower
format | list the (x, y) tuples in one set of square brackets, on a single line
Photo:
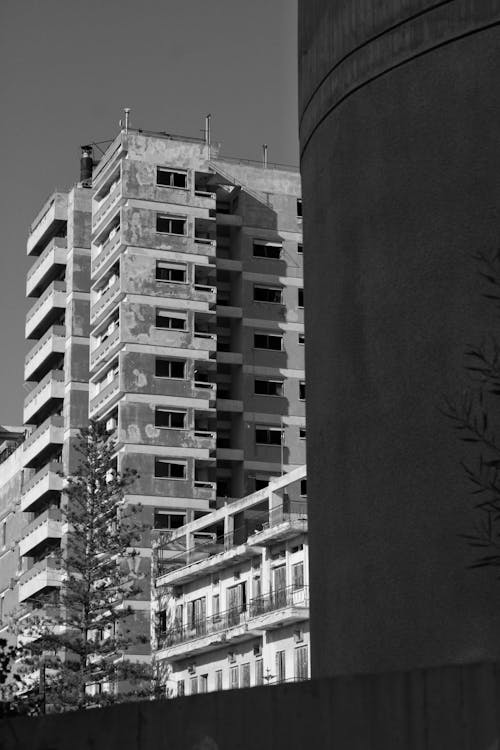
[(400, 154)]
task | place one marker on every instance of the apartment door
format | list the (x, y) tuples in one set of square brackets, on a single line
[(279, 586), (236, 602)]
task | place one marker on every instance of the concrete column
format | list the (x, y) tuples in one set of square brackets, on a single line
[(400, 160)]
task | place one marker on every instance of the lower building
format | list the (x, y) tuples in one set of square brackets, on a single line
[(231, 596)]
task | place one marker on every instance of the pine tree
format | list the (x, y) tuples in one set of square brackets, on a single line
[(83, 638)]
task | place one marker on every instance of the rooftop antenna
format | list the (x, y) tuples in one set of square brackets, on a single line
[(125, 124), (264, 153), (208, 119)]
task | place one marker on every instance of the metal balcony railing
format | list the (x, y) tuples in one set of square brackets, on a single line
[(232, 618)]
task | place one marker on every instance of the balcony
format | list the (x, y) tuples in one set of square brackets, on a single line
[(40, 531), (43, 575), (206, 342), (205, 293), (47, 266), (44, 484), (205, 557), (46, 309), (105, 350), (278, 609), (50, 432), (281, 526), (205, 390), (100, 307), (103, 208), (44, 352), (104, 398), (204, 490), (49, 222), (106, 254), (49, 388)]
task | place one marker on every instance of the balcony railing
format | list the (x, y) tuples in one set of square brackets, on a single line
[(54, 376), (48, 479), (51, 514), (54, 255), (53, 297), (109, 296), (233, 618), (53, 341), (104, 348)]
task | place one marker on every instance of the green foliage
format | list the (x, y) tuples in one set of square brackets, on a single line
[(473, 415), (82, 639)]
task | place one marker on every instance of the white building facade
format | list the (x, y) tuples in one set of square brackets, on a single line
[(231, 595)]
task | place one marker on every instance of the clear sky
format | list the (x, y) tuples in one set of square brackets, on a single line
[(68, 67)]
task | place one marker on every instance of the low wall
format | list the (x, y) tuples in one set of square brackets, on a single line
[(435, 709)]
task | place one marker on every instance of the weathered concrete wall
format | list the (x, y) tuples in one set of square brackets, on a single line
[(439, 709), (400, 161)]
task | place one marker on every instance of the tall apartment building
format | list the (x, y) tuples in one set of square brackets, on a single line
[(168, 301)]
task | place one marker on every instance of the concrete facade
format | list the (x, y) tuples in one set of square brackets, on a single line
[(399, 110), (231, 594), (195, 283)]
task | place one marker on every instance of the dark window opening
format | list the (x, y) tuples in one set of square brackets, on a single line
[(269, 387), (267, 294), (265, 250), (169, 368), (167, 272), (168, 470), (301, 298), (267, 341), (165, 418), (166, 319), (171, 178), (170, 224)]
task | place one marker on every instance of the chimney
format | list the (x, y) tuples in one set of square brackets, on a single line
[(86, 164)]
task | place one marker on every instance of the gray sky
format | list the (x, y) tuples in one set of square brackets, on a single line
[(68, 67)]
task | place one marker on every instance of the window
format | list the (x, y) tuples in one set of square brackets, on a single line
[(302, 338), (203, 683), (301, 663), (303, 487), (300, 248), (194, 685), (259, 672), (245, 675), (216, 606), (268, 387), (170, 224), (299, 208), (280, 666), (166, 418), (267, 294), (164, 519), (180, 688), (263, 249), (170, 272), (268, 435), (301, 297), (302, 390), (268, 341), (174, 178), (162, 621), (170, 368), (234, 682), (218, 679), (165, 469), (298, 575), (170, 319)]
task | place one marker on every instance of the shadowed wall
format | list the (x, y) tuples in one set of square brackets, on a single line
[(400, 157)]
